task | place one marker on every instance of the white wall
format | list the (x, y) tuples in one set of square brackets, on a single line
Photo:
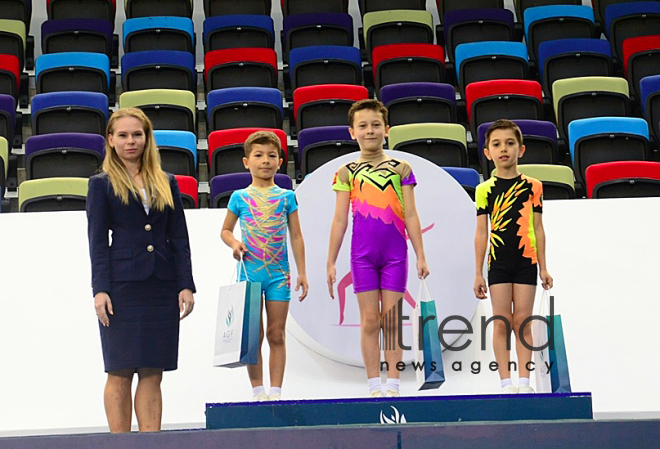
[(602, 254)]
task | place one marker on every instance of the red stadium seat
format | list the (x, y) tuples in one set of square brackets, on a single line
[(188, 188), (240, 67), (623, 179), (325, 104)]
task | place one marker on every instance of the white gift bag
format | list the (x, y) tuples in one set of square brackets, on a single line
[(540, 338)]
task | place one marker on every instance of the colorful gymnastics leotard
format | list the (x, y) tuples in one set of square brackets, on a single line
[(264, 216), (511, 204), (379, 251)]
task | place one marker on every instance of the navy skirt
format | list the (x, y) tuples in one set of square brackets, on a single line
[(144, 329)]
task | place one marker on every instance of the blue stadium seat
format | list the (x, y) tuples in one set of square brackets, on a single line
[(244, 107), (80, 71), (158, 69), (178, 151), (58, 112), (238, 31), (325, 64), (159, 33), (468, 178)]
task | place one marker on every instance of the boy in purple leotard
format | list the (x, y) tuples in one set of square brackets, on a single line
[(380, 190)]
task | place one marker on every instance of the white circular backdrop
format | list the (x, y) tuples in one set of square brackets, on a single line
[(448, 220)]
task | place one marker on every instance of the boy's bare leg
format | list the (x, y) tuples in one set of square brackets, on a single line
[(369, 331), (149, 399), (255, 372), (276, 311), (393, 352), (523, 305), (117, 399), (502, 298)]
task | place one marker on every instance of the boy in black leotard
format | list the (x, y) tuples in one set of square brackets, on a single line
[(517, 247)]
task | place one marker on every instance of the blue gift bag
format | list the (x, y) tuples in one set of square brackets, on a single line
[(561, 380), (238, 324), (429, 368)]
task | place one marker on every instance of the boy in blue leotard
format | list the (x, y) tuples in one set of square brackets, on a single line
[(265, 210)]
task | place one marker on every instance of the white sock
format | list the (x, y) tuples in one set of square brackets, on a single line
[(276, 390), (258, 390), (392, 384), (505, 382), (375, 384), (523, 381)]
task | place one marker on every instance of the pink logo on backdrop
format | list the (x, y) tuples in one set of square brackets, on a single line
[(347, 280)]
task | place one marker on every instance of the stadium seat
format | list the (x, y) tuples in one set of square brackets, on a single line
[(222, 186), (325, 64), (468, 178), (490, 60), (589, 96), (52, 194), (630, 19), (650, 100), (240, 67), (539, 138), (244, 107), (13, 39), (408, 63), (316, 146), (75, 155), (57, 72), (226, 150), (521, 5), (149, 8), (65, 112), (641, 58), (238, 31), (158, 69), (476, 25), (625, 179), (81, 9), (178, 151), (17, 10), (227, 7), (10, 76), (159, 33), (570, 58), (606, 139), (444, 144), (189, 191), (487, 101), (396, 27), (304, 30), (325, 105), (599, 10), (552, 22), (8, 117), (419, 103), (167, 108), (366, 6), (83, 35), (558, 180), (445, 6), (293, 7)]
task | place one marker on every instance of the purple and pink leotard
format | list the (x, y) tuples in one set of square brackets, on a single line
[(379, 251)]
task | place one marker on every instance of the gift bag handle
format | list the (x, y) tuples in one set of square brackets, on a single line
[(426, 290), (544, 304), (239, 265)]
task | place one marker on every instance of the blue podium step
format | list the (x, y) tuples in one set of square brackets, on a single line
[(403, 410)]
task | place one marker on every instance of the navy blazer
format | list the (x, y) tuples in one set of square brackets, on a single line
[(142, 244)]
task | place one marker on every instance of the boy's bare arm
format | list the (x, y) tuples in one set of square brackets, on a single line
[(339, 225), (414, 228), (546, 279), (480, 248), (227, 235), (298, 247)]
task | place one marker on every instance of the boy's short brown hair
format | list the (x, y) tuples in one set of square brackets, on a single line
[(504, 124), (374, 105), (263, 138)]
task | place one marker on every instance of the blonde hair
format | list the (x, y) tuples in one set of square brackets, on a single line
[(155, 181)]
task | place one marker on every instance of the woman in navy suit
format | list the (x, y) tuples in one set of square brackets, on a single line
[(142, 281)]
